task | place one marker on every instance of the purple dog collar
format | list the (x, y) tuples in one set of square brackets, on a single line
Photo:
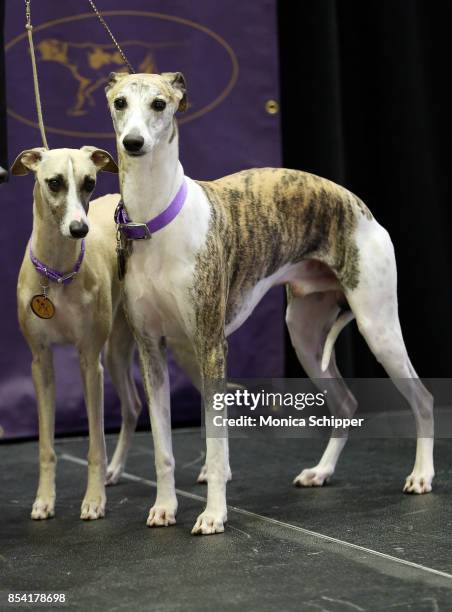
[(54, 275), (143, 231)]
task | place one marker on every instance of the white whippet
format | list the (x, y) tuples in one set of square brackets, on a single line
[(215, 248), (79, 306)]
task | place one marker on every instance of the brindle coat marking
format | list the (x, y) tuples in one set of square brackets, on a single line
[(263, 219)]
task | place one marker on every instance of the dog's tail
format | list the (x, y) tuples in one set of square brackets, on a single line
[(342, 320)]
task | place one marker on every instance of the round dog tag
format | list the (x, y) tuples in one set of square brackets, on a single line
[(42, 307)]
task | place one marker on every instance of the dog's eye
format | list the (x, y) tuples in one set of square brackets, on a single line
[(89, 184), (120, 103), (54, 184), (158, 104)]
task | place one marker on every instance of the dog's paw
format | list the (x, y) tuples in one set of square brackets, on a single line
[(418, 483), (202, 477), (312, 477), (209, 523), (93, 508), (43, 509), (162, 515), (114, 472)]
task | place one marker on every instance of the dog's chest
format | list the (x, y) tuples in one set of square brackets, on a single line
[(158, 294), (71, 320), (161, 272)]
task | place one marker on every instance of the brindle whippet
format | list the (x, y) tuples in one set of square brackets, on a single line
[(216, 249)]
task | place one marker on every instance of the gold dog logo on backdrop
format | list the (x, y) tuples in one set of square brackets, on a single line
[(81, 59), (82, 69)]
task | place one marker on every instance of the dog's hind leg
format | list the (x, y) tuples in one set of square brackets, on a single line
[(44, 383), (309, 319), (374, 303), (119, 352)]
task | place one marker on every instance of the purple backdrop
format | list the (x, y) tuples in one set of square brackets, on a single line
[(228, 53)]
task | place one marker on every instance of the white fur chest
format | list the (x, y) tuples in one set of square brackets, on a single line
[(160, 271)]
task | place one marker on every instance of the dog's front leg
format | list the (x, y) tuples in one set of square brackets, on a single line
[(44, 383), (93, 505), (154, 372), (213, 370)]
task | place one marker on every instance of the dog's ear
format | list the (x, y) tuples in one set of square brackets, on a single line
[(26, 161), (178, 82), (101, 159), (113, 78)]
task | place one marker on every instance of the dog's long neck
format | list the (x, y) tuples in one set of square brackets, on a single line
[(47, 242), (149, 183)]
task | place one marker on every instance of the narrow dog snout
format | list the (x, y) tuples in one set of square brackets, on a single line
[(78, 229), (133, 143)]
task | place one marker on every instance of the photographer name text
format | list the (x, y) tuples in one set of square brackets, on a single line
[(272, 421)]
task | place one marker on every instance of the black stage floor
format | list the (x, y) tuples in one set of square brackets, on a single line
[(357, 544)]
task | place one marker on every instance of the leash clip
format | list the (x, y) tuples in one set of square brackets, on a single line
[(147, 232)]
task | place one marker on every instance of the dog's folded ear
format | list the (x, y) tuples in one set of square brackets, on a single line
[(101, 159), (26, 161), (177, 80), (113, 78)]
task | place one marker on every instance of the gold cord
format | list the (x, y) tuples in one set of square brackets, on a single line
[(29, 29)]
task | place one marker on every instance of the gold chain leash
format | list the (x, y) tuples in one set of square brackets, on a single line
[(110, 33), (29, 29)]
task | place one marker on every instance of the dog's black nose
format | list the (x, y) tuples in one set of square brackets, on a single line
[(3, 175), (78, 229), (133, 144)]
